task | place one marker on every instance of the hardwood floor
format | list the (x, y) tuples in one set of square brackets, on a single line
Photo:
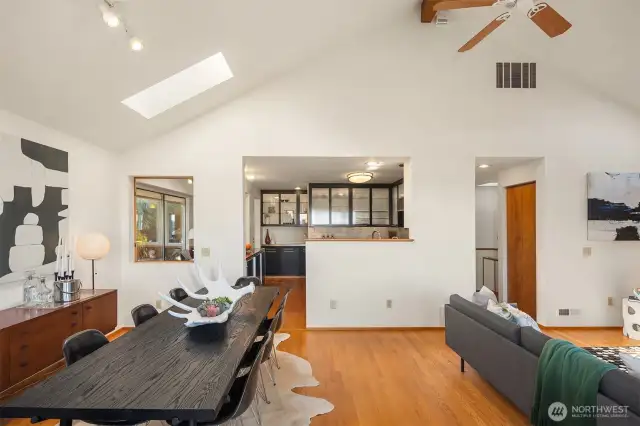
[(408, 378), (295, 315)]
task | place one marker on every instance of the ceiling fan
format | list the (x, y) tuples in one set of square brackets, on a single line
[(541, 14)]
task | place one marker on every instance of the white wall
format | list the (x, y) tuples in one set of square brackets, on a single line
[(93, 178), (487, 217), (393, 93), (486, 236)]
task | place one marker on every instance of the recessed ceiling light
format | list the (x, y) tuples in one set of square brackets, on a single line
[(484, 166), (360, 177), (180, 87), (489, 184), (375, 164), (298, 188), (190, 181), (250, 177)]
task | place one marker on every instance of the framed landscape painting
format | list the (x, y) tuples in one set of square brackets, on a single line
[(613, 206)]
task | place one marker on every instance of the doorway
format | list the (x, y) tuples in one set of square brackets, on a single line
[(521, 246)]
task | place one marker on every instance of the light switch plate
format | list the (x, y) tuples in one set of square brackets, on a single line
[(586, 251), (205, 252)]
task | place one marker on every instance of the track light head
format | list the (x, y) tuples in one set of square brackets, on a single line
[(109, 16), (136, 44)]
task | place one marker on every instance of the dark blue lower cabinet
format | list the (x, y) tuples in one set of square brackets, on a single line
[(285, 261)]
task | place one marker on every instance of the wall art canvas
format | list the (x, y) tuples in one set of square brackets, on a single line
[(613, 206), (34, 199)]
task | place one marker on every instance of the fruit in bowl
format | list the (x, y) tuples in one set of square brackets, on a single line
[(214, 307)]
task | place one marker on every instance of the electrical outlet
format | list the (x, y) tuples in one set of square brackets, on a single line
[(205, 252), (610, 301), (389, 303), (159, 304), (333, 304)]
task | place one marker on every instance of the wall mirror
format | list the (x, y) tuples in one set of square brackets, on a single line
[(163, 219)]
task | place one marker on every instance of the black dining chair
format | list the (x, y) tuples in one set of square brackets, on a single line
[(178, 294), (80, 345), (143, 313), (245, 281), (268, 343), (242, 395), (278, 319)]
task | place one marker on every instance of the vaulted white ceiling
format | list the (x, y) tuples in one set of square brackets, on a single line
[(62, 66)]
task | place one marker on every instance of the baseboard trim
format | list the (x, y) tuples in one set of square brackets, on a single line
[(544, 327), (438, 328)]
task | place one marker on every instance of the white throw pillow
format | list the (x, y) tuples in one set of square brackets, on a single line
[(483, 296), (501, 309), (632, 363), (523, 319)]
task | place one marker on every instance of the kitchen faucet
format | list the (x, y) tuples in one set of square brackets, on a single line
[(373, 235)]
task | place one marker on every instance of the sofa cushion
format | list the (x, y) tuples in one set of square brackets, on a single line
[(493, 322), (532, 340), (623, 388)]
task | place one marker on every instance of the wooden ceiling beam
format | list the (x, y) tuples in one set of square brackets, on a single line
[(428, 14)]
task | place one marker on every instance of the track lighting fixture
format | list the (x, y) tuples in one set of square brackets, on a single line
[(113, 20)]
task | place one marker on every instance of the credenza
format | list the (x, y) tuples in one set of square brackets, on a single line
[(31, 338)]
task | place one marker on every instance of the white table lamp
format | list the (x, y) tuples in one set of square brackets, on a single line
[(93, 247)]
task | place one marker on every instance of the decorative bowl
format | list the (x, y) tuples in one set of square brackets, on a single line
[(219, 288)]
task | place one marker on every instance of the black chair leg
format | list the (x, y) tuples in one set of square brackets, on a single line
[(462, 365)]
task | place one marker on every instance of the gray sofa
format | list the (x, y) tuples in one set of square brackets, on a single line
[(506, 356)]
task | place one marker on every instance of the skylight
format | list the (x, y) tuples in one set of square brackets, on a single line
[(180, 87)]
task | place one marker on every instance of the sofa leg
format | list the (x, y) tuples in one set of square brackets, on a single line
[(462, 365)]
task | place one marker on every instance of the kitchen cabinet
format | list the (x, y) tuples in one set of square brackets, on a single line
[(284, 208), (351, 205), (289, 261), (285, 261), (272, 260)]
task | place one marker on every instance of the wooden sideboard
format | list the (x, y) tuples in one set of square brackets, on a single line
[(31, 338)]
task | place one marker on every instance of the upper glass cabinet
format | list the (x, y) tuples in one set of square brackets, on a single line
[(284, 208), (320, 206)]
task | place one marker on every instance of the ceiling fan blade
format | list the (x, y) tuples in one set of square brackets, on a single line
[(493, 25), (462, 4), (548, 19)]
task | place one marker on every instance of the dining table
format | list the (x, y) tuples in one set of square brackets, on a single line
[(160, 370)]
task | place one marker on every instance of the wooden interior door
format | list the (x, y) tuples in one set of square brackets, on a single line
[(521, 247)]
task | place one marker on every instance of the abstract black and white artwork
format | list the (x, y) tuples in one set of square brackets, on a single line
[(614, 206), (34, 194)]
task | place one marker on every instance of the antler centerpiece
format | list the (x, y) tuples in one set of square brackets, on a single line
[(218, 302)]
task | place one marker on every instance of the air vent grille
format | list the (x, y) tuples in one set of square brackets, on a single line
[(515, 75)]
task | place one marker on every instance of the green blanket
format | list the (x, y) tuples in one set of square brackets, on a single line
[(570, 375)]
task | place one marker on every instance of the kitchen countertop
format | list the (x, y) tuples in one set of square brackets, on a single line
[(365, 240), (284, 245)]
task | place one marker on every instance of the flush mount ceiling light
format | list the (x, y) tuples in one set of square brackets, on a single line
[(297, 188), (180, 87), (190, 181), (484, 166), (360, 177), (489, 184)]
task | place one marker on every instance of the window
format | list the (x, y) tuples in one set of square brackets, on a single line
[(163, 220)]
